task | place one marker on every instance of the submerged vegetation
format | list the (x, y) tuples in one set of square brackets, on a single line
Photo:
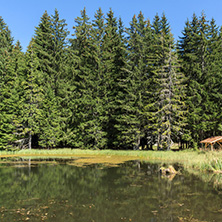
[(111, 87), (200, 161), (133, 191), (207, 165)]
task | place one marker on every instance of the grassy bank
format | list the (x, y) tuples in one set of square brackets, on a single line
[(205, 165), (195, 160)]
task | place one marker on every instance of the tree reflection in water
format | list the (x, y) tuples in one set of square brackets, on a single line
[(134, 191)]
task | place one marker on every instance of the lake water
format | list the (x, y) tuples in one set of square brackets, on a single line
[(58, 191)]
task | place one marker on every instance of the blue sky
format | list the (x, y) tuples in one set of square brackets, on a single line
[(22, 16)]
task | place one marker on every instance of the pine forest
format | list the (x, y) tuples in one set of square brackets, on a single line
[(102, 85)]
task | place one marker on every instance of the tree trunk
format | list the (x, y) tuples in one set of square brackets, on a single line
[(30, 140), (159, 142)]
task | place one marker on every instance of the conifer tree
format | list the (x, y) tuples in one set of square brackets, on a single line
[(33, 97), (82, 81), (98, 85), (49, 45), (12, 99), (43, 48), (188, 53), (213, 80), (139, 50), (115, 79), (169, 94), (6, 46)]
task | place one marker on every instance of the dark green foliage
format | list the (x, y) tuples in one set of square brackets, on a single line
[(97, 51), (11, 74), (140, 78), (47, 61), (84, 122), (43, 48), (110, 87), (200, 52), (34, 95), (168, 108), (12, 98), (115, 80)]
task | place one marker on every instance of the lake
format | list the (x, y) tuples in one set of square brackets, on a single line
[(58, 190)]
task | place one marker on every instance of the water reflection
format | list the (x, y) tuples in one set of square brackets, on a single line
[(133, 191)]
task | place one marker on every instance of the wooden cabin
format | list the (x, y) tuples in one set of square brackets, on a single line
[(211, 141)]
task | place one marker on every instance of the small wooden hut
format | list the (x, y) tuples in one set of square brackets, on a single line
[(211, 141)]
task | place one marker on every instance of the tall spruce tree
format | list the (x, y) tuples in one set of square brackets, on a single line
[(33, 97), (115, 80), (6, 46), (169, 93), (213, 81), (48, 45), (139, 50), (12, 105), (81, 46), (98, 84)]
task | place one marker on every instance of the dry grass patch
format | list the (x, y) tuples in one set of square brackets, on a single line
[(105, 160)]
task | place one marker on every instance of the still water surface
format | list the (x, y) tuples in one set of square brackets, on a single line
[(58, 191)]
